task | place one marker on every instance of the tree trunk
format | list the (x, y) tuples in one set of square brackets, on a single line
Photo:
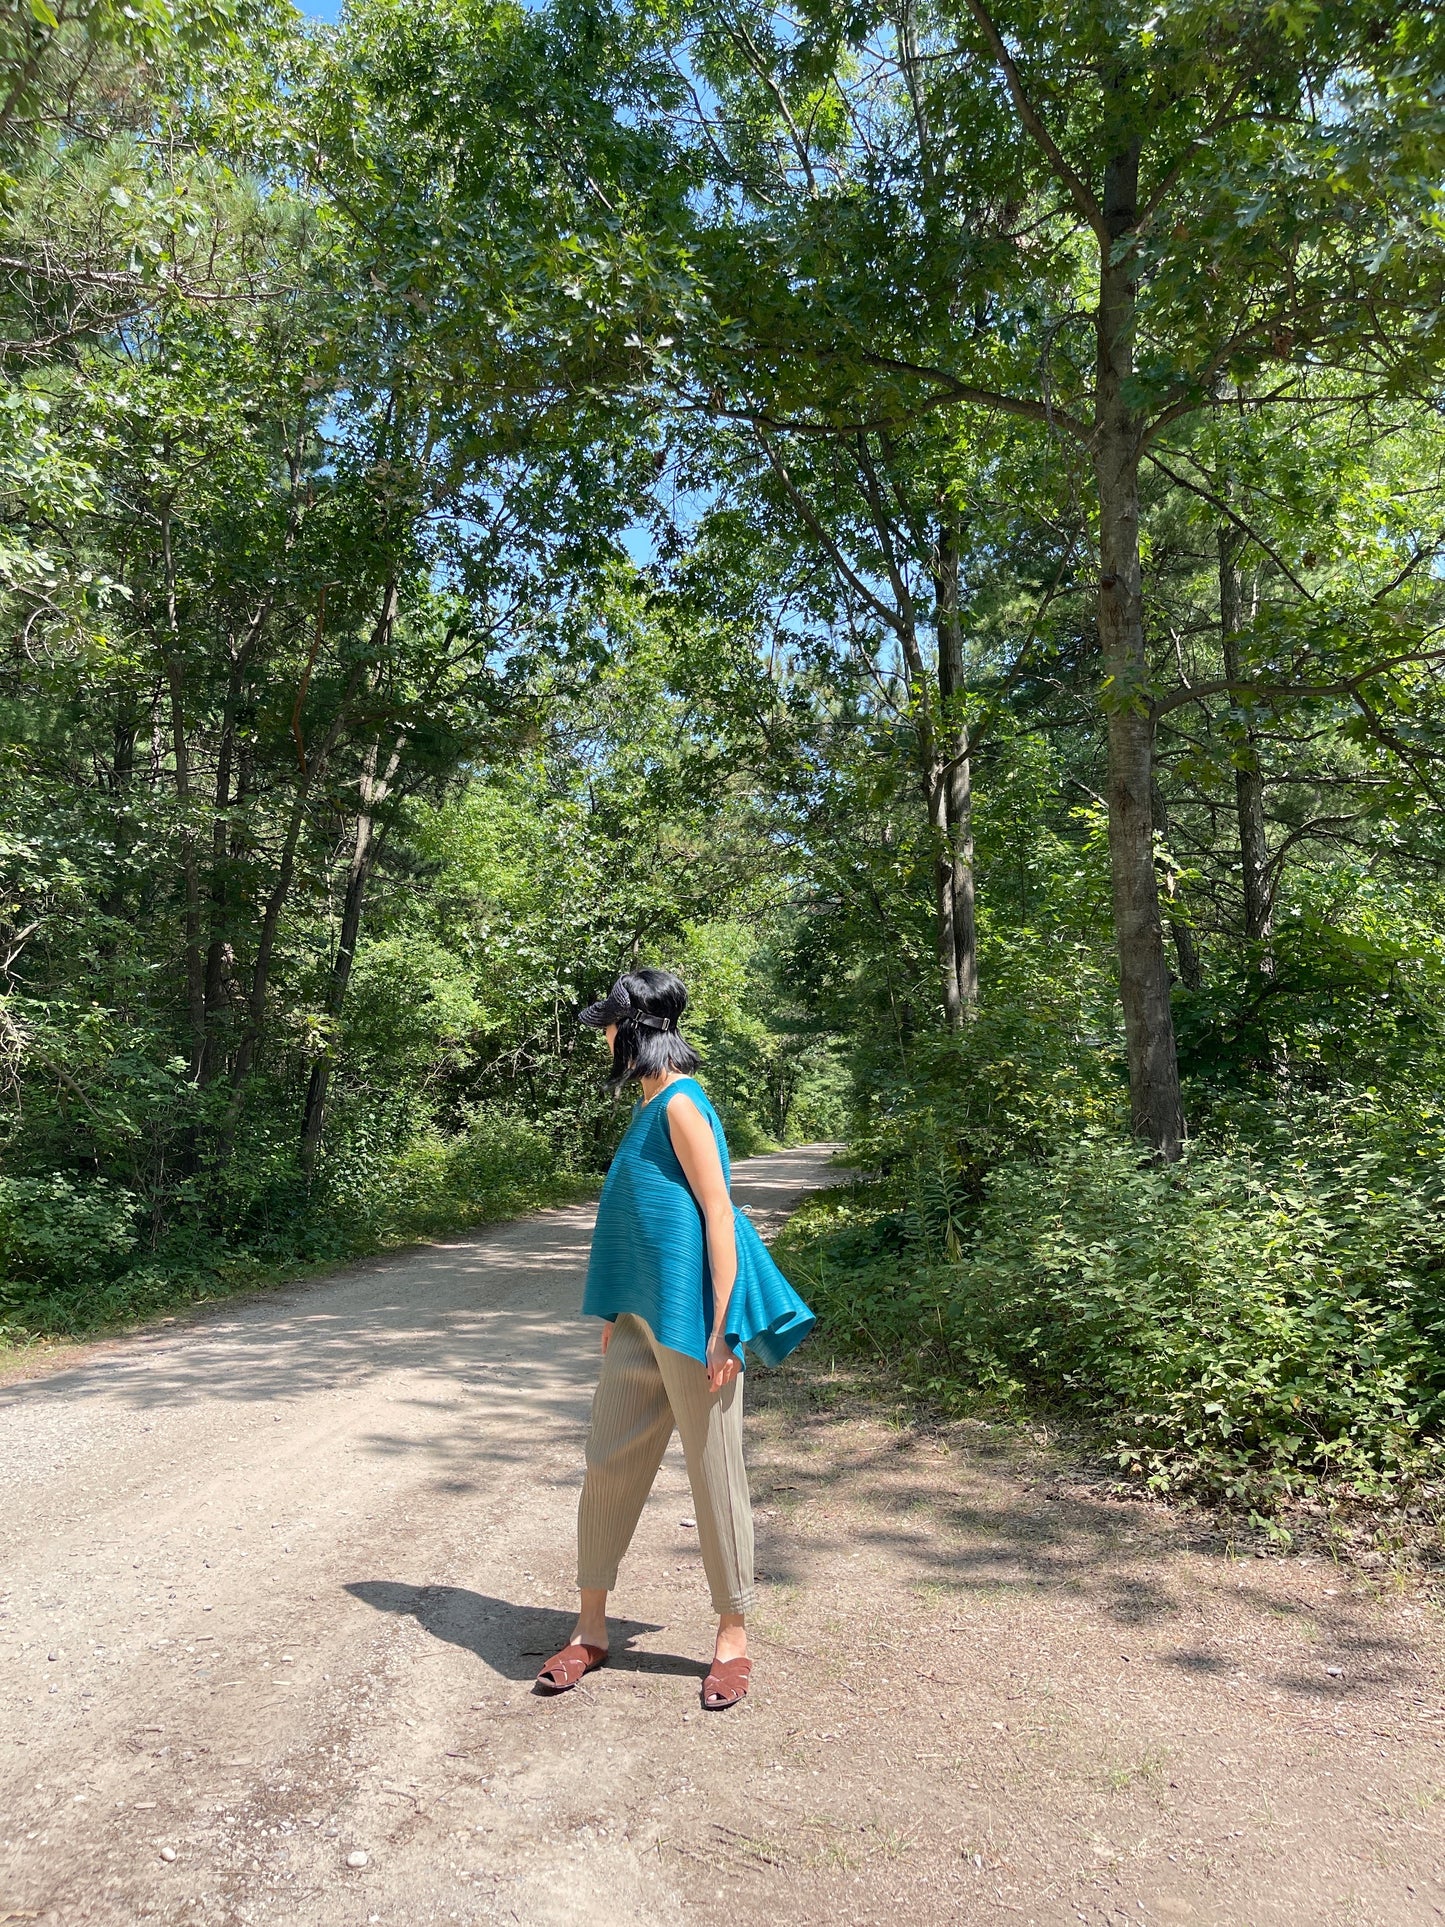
[(1191, 974), (957, 777), (960, 837), (122, 774), (266, 946), (935, 791), (310, 771), (1155, 1103), (935, 782), (1248, 778), (218, 948), (374, 790), (190, 865), (363, 858)]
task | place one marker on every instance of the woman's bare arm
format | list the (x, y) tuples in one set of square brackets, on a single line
[(697, 1153)]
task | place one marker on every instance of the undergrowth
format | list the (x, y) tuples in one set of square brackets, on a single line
[(77, 1255), (1263, 1321)]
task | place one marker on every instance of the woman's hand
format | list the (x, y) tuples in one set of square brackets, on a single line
[(723, 1363), (606, 1336)]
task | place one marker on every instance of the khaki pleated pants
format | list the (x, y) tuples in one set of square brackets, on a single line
[(644, 1392)]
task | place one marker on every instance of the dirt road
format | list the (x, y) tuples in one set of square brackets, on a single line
[(275, 1583)]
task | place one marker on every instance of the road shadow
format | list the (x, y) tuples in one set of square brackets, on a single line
[(512, 1639), (493, 1311), (982, 1518)]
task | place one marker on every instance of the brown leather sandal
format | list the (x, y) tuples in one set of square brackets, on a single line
[(575, 1661), (726, 1684)]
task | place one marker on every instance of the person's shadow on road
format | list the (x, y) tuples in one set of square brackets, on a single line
[(513, 1640)]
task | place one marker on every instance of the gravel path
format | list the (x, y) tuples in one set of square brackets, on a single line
[(276, 1579)]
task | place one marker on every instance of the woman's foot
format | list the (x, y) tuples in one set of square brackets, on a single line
[(570, 1667), (584, 1652), (591, 1627), (727, 1679), (732, 1638)]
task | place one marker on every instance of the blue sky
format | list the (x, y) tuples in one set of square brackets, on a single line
[(320, 9)]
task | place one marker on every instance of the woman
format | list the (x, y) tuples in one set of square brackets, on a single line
[(683, 1282)]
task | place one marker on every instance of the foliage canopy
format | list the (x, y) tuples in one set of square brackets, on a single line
[(928, 519)]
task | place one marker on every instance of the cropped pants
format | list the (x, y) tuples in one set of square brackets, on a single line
[(644, 1393)]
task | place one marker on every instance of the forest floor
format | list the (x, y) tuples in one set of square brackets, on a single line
[(277, 1577)]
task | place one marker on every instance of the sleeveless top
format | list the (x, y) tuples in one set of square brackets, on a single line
[(649, 1249)]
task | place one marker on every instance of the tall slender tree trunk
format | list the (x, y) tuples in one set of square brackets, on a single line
[(952, 861), (217, 947), (957, 777), (374, 789), (309, 772), (935, 790), (1186, 950), (947, 798), (122, 776), (965, 909), (363, 860), (181, 759), (250, 1043), (942, 742), (1155, 1102), (266, 944), (1248, 777)]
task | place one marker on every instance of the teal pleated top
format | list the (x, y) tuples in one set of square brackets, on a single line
[(649, 1249)]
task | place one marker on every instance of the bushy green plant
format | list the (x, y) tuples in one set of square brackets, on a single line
[(1257, 1319), (1352, 993), (62, 1241), (501, 1165), (775, 1075), (1036, 1065), (58, 1232), (72, 1258), (1235, 1329)]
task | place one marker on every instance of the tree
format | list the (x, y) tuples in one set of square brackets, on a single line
[(1294, 571), (900, 551), (282, 533), (1082, 217)]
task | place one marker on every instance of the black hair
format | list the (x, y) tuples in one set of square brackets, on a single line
[(648, 1041)]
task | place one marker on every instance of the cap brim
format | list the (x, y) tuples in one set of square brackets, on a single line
[(595, 1016)]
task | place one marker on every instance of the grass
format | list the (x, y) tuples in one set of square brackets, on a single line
[(170, 1290)]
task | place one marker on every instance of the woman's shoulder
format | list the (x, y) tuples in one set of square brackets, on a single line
[(686, 1087)]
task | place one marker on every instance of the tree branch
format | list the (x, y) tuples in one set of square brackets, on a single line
[(830, 548), (1315, 826), (953, 393), (907, 626), (1420, 557), (1391, 741), (760, 68), (1224, 508), (1011, 679), (1079, 191), (1296, 692), (1196, 146)]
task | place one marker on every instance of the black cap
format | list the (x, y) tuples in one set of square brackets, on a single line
[(617, 1006), (610, 1010)]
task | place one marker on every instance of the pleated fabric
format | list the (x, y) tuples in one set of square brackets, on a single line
[(649, 1249), (645, 1389)]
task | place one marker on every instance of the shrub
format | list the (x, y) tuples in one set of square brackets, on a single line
[(1240, 1326), (499, 1166), (70, 1260), (1037, 1064), (62, 1245)]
